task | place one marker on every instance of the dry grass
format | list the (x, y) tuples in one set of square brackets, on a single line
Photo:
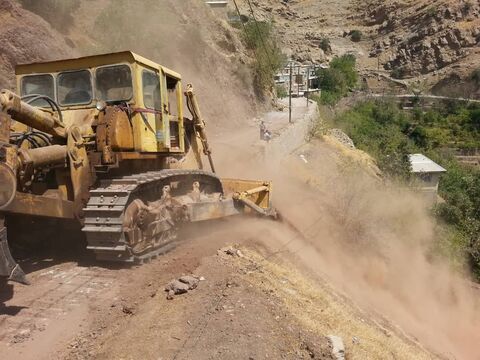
[(324, 312)]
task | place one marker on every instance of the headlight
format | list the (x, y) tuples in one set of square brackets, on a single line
[(8, 185)]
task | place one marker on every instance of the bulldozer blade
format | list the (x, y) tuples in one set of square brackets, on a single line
[(8, 267)]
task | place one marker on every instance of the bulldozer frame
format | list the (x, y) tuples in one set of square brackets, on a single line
[(103, 140)]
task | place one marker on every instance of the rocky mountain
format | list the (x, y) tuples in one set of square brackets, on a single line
[(431, 45), (439, 39)]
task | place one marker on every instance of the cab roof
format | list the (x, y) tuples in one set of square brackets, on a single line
[(89, 62)]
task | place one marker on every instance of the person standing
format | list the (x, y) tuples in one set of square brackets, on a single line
[(263, 129)]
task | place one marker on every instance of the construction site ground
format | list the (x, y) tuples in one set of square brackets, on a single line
[(349, 258), (260, 300)]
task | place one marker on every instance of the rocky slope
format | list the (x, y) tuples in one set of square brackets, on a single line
[(414, 44), (26, 37), (193, 40), (438, 35), (301, 26), (417, 38)]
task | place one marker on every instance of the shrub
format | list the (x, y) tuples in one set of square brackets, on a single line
[(356, 35), (467, 6), (335, 81), (325, 45), (398, 72), (475, 76), (281, 91), (432, 11), (259, 37)]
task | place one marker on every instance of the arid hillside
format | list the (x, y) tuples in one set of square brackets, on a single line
[(418, 44), (193, 40), (26, 37), (438, 42)]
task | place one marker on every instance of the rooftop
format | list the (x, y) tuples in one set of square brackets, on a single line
[(217, 3), (422, 164)]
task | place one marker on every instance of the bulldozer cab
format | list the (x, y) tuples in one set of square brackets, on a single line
[(151, 93)]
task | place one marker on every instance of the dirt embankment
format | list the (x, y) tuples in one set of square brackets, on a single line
[(192, 39), (26, 37)]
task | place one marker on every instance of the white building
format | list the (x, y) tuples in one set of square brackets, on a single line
[(427, 176), (304, 78), (217, 3)]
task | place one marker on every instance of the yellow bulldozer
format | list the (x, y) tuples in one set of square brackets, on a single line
[(103, 140)]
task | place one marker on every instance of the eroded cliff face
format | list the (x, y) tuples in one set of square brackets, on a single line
[(423, 36)]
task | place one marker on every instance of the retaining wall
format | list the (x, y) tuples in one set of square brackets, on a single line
[(292, 136)]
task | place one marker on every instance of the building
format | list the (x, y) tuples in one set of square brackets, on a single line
[(304, 78), (217, 3), (427, 175)]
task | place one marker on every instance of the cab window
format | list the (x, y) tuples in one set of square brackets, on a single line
[(151, 90), (74, 88), (114, 83), (38, 85)]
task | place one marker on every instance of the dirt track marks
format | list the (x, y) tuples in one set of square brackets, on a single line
[(54, 305)]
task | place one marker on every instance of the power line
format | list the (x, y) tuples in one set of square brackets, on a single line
[(239, 15), (259, 34), (246, 32)]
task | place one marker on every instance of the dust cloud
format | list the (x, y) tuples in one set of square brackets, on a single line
[(189, 38), (371, 241)]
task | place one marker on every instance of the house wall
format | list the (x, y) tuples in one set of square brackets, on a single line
[(426, 184)]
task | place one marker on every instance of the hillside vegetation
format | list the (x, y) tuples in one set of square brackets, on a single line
[(390, 134), (338, 79)]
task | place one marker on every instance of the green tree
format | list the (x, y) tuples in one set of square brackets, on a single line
[(338, 79)]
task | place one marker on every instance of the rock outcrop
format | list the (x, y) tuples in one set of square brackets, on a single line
[(422, 37)]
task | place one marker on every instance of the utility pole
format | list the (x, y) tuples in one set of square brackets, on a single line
[(308, 83), (297, 81), (290, 95)]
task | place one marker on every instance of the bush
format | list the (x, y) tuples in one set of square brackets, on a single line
[(432, 11), (281, 91), (356, 35), (259, 37), (475, 76), (325, 45), (398, 72), (336, 81)]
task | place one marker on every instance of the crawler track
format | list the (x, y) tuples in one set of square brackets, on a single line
[(105, 212)]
